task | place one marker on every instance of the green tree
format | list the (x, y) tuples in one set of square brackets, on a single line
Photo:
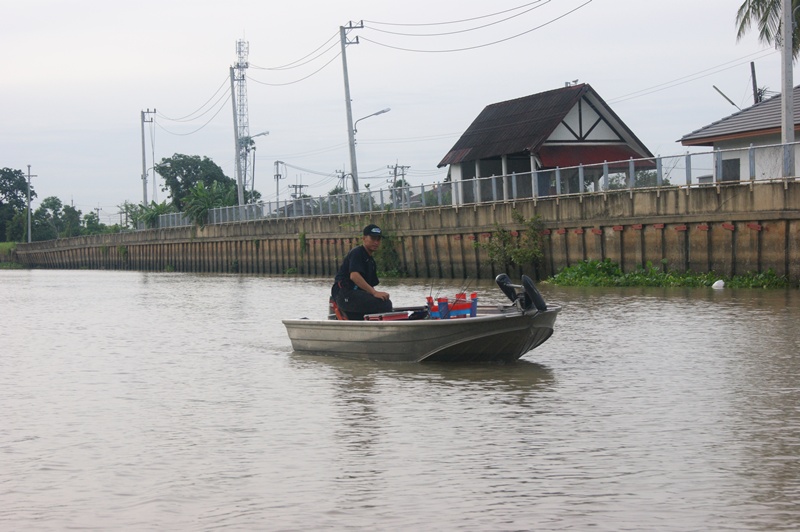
[(92, 224), (47, 224), (132, 214), (182, 172), (766, 15), (388, 258), (506, 249), (333, 203), (17, 227), (250, 196), (13, 199), (432, 196), (642, 178), (201, 198), (70, 221), (148, 214)]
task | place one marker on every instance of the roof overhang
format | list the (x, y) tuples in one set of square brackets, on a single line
[(710, 141)]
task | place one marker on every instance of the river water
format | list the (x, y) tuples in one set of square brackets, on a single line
[(169, 401)]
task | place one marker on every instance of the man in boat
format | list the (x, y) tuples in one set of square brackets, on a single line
[(354, 285)]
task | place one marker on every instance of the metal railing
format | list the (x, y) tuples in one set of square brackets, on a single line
[(738, 165)]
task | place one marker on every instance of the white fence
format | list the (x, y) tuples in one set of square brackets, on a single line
[(748, 163)]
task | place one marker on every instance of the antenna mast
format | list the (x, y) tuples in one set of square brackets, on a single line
[(241, 121)]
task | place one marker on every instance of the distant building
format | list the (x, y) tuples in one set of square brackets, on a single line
[(758, 125), (561, 128)]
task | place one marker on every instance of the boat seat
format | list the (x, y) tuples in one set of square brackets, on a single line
[(339, 313)]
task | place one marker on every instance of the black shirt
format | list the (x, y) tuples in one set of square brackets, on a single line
[(358, 260)]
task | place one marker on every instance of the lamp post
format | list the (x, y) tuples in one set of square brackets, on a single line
[(353, 166), (247, 143)]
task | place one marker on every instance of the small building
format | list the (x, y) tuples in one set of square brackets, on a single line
[(736, 137), (560, 128)]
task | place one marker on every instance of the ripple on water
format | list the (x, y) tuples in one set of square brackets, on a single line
[(170, 401)]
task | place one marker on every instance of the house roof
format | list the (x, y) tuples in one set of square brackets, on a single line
[(763, 118), (526, 124)]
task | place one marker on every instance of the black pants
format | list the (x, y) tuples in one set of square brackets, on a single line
[(356, 303)]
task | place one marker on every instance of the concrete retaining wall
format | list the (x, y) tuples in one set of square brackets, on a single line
[(730, 229)]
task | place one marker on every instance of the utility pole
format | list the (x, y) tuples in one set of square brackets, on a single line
[(144, 157), (342, 180), (350, 130), (756, 97), (278, 178), (29, 202), (297, 190), (787, 107), (402, 170)]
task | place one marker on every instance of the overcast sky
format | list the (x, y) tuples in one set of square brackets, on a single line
[(77, 73)]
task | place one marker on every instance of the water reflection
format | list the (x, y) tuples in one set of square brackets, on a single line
[(522, 376)]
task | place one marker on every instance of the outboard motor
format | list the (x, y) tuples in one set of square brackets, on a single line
[(504, 282), (529, 298), (532, 294)]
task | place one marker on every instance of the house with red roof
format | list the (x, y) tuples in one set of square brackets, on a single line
[(561, 128)]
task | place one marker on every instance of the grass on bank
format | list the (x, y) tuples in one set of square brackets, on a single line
[(608, 273), (5, 251)]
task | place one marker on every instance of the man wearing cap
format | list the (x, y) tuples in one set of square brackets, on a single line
[(354, 285)]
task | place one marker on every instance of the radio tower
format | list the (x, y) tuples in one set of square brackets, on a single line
[(241, 122)]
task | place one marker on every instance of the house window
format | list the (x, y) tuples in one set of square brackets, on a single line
[(730, 170)]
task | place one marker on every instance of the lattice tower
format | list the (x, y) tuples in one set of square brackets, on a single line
[(242, 112)]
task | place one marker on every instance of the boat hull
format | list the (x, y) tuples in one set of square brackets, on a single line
[(500, 336)]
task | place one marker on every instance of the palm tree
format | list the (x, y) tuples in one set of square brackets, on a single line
[(767, 16), (149, 214), (201, 199)]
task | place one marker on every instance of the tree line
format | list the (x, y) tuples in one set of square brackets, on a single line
[(195, 184)]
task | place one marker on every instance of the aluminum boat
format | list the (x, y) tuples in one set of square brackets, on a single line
[(501, 333)]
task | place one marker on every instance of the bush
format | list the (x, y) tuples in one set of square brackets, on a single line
[(608, 273), (506, 248)]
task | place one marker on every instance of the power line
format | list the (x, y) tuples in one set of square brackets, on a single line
[(693, 77), (317, 172), (303, 153), (410, 139), (290, 65), (456, 21), (186, 118), (484, 45), (464, 30), (222, 106), (297, 64), (297, 80)]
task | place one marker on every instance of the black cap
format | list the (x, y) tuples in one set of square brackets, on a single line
[(373, 231)]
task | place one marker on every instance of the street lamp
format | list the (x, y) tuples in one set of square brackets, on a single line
[(353, 166), (355, 129), (247, 143)]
